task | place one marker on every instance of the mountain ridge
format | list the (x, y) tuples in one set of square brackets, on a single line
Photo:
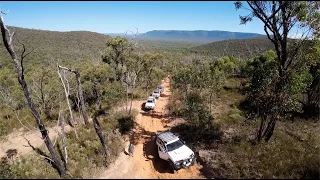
[(204, 36)]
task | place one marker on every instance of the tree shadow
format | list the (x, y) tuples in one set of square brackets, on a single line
[(10, 153), (125, 124), (151, 154), (149, 147), (154, 114), (206, 171), (139, 134), (164, 95), (61, 155), (44, 155), (202, 135)]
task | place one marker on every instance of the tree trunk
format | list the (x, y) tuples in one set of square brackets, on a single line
[(83, 106), (7, 40), (269, 130), (131, 102), (127, 97), (64, 140), (97, 127), (261, 128), (210, 103), (80, 93), (67, 99)]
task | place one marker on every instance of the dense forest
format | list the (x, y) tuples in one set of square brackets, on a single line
[(249, 108)]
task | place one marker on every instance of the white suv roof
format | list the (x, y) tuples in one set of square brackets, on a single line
[(168, 137), (150, 98)]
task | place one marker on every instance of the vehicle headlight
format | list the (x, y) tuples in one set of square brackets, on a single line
[(178, 162)]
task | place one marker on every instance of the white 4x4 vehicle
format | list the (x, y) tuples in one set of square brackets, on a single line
[(156, 93), (171, 148), (150, 103)]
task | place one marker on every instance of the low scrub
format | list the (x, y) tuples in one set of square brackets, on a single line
[(283, 157), (197, 136), (85, 155)]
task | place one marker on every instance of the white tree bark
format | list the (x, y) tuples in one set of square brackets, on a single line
[(66, 91)]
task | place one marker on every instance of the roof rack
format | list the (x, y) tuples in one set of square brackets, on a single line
[(167, 136)]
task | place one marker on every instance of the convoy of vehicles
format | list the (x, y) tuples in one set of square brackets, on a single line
[(170, 147)]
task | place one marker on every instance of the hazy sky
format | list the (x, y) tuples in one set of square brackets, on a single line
[(117, 17)]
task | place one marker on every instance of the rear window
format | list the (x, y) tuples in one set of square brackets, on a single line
[(150, 101), (156, 91)]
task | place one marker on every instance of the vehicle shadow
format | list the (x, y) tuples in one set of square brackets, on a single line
[(149, 148), (154, 114), (151, 154), (164, 95)]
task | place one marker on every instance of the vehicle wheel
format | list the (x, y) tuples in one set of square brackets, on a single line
[(194, 161), (173, 170)]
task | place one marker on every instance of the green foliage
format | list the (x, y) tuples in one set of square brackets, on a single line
[(11, 94), (99, 87), (263, 74), (195, 111)]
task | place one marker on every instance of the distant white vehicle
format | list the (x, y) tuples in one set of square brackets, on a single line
[(156, 93), (161, 88), (171, 148), (150, 103)]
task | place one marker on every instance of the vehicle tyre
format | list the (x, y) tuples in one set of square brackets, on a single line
[(173, 169), (194, 161)]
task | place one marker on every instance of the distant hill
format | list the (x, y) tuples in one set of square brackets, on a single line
[(68, 47), (117, 34), (198, 36), (195, 36), (243, 48)]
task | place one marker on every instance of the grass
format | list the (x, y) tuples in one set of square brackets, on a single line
[(10, 123), (86, 157), (293, 151), (283, 157)]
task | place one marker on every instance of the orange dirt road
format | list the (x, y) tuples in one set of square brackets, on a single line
[(145, 162)]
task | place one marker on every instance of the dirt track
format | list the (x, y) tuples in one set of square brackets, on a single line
[(19, 141), (145, 162)]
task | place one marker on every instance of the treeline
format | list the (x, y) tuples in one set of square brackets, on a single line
[(239, 48)]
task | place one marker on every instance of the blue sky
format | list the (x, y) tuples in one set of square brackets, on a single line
[(119, 16)]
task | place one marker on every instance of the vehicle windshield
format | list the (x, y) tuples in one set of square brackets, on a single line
[(174, 146), (150, 101), (156, 91)]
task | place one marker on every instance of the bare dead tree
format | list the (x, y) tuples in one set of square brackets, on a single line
[(66, 91), (7, 37), (98, 129), (80, 93), (133, 70), (64, 140)]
